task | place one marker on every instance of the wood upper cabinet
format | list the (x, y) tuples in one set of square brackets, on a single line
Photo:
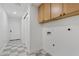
[(41, 13), (46, 11), (52, 11), (70, 7), (56, 10)]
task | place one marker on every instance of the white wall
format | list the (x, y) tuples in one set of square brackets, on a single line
[(3, 28), (67, 42), (35, 30), (38, 40), (15, 26), (63, 22)]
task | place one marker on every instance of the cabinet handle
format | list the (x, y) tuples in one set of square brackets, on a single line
[(60, 14), (64, 14)]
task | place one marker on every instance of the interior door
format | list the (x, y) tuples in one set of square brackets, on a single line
[(65, 40)]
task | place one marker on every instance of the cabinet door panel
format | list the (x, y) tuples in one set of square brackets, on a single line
[(41, 13), (70, 7), (56, 10), (47, 11)]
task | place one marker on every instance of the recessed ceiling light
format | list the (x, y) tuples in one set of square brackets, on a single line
[(14, 12)]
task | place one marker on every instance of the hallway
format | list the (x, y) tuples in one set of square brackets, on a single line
[(17, 48), (14, 48)]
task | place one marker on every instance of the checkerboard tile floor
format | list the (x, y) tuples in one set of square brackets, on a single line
[(14, 48), (17, 48)]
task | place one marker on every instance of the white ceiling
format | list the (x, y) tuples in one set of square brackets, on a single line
[(14, 9)]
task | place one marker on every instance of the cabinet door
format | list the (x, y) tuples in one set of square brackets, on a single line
[(56, 10), (46, 11), (70, 7), (41, 13)]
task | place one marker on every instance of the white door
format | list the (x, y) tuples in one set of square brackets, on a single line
[(66, 43)]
